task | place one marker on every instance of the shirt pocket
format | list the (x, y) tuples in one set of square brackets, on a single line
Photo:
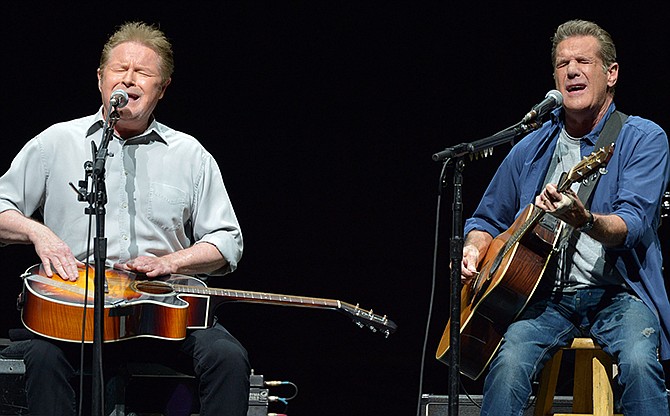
[(167, 206)]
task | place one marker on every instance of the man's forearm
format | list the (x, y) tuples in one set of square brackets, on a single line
[(16, 228), (199, 258)]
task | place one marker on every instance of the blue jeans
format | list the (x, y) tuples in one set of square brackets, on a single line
[(619, 321)]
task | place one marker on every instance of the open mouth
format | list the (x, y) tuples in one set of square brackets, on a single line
[(574, 88)]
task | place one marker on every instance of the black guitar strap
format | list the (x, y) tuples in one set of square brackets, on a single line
[(607, 136)]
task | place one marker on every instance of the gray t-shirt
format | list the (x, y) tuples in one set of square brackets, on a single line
[(581, 261)]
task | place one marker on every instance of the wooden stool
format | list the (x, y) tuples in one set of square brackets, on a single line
[(592, 389)]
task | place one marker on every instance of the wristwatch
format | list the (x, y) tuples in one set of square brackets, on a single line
[(588, 225)]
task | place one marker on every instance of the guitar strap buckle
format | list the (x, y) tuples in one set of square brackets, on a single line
[(550, 222)]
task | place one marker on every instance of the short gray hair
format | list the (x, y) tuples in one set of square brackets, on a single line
[(585, 28)]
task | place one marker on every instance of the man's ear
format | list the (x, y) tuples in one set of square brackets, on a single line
[(164, 87), (612, 74)]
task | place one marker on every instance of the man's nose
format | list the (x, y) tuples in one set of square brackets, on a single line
[(129, 78)]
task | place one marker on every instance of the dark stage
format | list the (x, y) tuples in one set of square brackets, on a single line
[(323, 116)]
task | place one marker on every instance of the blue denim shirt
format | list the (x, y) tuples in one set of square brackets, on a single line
[(637, 174)]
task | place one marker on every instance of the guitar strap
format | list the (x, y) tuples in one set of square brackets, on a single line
[(607, 136)]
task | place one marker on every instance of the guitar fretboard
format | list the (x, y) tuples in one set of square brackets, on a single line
[(259, 297)]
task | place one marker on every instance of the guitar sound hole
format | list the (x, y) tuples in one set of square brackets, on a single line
[(153, 287)]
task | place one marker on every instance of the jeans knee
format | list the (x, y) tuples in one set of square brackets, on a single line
[(639, 362), (512, 365)]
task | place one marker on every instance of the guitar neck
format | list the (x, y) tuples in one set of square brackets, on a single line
[(260, 297), (535, 217), (362, 317)]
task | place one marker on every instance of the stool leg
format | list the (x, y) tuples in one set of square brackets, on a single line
[(548, 381), (582, 391), (603, 398)]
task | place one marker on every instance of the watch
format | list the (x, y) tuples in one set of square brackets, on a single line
[(588, 225)]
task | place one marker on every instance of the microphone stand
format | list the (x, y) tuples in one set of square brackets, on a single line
[(454, 155), (97, 199)]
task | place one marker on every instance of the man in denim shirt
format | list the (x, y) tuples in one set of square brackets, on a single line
[(607, 280)]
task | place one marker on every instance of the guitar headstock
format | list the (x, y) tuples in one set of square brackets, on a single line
[(364, 318), (587, 166)]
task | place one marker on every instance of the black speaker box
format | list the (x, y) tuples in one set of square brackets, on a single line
[(434, 405), (12, 395)]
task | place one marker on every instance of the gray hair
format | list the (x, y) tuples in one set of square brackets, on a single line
[(585, 28), (607, 52)]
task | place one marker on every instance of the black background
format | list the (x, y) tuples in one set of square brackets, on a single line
[(323, 117)]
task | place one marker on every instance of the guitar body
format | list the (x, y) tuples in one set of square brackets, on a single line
[(54, 308), (510, 273)]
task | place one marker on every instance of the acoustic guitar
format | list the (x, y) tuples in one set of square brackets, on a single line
[(163, 308), (509, 274)]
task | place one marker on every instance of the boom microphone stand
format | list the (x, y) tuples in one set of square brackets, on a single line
[(455, 156)]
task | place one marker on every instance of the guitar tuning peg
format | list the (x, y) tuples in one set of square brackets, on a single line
[(372, 328)]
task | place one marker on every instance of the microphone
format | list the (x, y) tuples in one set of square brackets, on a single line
[(552, 100), (119, 99)]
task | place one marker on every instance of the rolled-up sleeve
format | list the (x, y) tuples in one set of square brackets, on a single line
[(643, 169), (22, 187), (214, 220)]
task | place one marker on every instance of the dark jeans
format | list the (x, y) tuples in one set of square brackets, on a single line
[(213, 355)]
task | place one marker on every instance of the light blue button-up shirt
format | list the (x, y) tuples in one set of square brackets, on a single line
[(165, 192)]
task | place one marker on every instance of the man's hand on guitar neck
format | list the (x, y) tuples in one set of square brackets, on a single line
[(565, 206), (610, 230)]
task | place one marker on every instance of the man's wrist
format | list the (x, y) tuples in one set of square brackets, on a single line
[(588, 225)]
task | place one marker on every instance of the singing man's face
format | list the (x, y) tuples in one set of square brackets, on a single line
[(134, 68), (581, 77)]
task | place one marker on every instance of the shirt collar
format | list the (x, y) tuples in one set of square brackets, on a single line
[(150, 135)]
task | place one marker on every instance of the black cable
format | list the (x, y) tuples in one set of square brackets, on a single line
[(83, 319), (432, 291)]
